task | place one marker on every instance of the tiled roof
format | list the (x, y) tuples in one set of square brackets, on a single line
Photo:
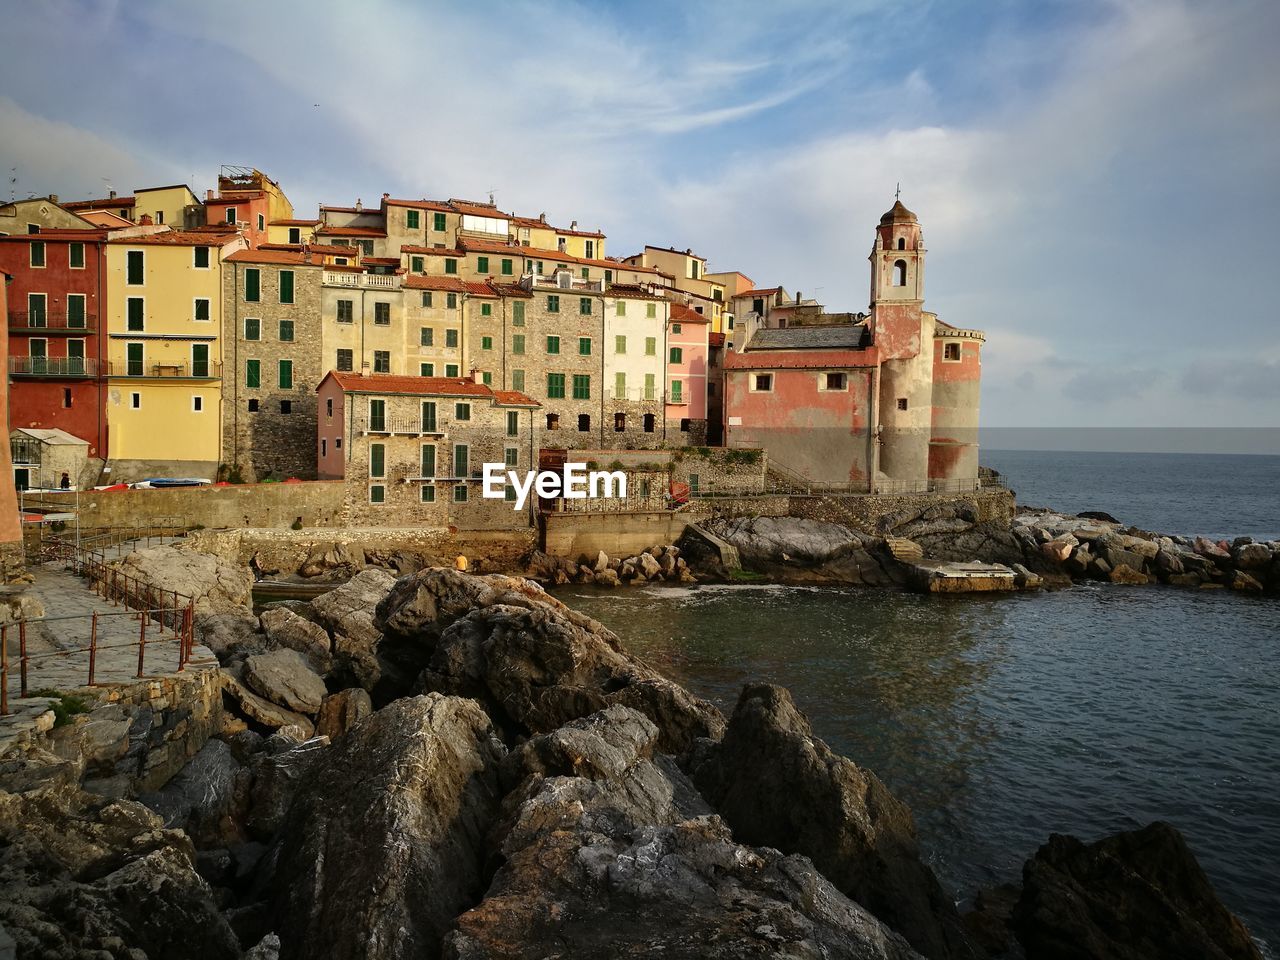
[(683, 253), (682, 314), (236, 198), (626, 291), (275, 255), (325, 206), (535, 223), (451, 284), (765, 292), (325, 249), (433, 251), (179, 238), (476, 245), (843, 336), (426, 387), (375, 261), (104, 218), (98, 204), (473, 209), (294, 223), (439, 206), (351, 232), (67, 233)]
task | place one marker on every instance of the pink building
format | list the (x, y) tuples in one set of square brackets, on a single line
[(687, 348)]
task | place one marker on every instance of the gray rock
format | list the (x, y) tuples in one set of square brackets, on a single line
[(216, 587), (285, 677), (327, 559), (341, 711), (649, 566), (284, 628), (259, 709), (230, 635), (602, 562), (1250, 556), (275, 780), (204, 788), (347, 613), (268, 948), (607, 578)]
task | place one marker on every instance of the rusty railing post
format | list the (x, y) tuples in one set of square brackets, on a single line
[(142, 645), (93, 648), (22, 655), (4, 671)]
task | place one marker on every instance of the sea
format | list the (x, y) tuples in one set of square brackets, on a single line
[(1003, 719)]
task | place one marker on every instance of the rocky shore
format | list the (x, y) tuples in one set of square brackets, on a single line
[(455, 765)]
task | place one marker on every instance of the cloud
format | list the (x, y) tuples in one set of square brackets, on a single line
[(1235, 378)]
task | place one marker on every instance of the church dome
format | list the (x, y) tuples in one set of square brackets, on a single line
[(899, 214)]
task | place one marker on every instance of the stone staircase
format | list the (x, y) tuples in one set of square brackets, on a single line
[(904, 550)]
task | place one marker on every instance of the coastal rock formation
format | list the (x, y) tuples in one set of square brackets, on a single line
[(341, 711), (347, 613), (611, 852), (792, 549), (285, 677), (285, 628), (778, 786), (382, 845), (530, 660), (1131, 896), (216, 586)]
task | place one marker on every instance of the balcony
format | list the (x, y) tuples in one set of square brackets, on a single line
[(404, 426), (49, 321), (166, 371), (365, 281), (636, 395), (77, 367)]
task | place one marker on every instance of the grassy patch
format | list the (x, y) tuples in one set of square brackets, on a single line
[(65, 705), (746, 576)]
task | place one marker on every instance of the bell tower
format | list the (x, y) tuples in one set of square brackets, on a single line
[(897, 259)]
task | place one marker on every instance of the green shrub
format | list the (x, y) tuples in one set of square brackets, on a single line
[(296, 525), (64, 705)]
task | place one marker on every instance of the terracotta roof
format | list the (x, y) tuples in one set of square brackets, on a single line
[(325, 249), (473, 209), (440, 206), (325, 206), (234, 199), (539, 224), (105, 218), (433, 251), (179, 238), (98, 204), (510, 290), (474, 244), (898, 214), (452, 284), (294, 223), (764, 292), (682, 314), (626, 291), (264, 255), (683, 253), (351, 232), (426, 387), (375, 261)]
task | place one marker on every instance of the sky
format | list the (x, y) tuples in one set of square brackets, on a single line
[(1096, 180)]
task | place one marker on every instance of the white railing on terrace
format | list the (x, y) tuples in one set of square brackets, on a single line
[(636, 395), (409, 425), (369, 281)]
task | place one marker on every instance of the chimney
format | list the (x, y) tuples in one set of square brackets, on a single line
[(573, 225), (53, 198), (111, 194), (799, 297), (475, 375), (359, 205), (542, 218), (208, 195), (364, 368), (145, 220), (386, 196)]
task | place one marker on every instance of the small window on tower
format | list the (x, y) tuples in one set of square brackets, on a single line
[(902, 243), (951, 352), (902, 403), (900, 273)]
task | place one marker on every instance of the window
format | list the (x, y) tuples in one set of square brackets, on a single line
[(199, 360), (37, 254), (253, 373), (584, 346), (345, 359), (620, 385), (135, 310), (450, 265), (608, 276), (426, 369), (460, 459), (135, 263), (902, 403), (462, 411), (252, 328), (450, 369), (38, 351), (286, 331), (619, 344), (345, 311), (693, 477), (382, 314), (677, 355), (324, 446), (460, 493), (482, 264), (486, 343), (902, 243), (693, 269), (75, 256), (284, 374), (590, 249), (411, 219), (508, 268), (66, 398), (621, 308), (619, 422), (757, 305), (33, 228), (201, 310), (762, 383), (417, 265), (328, 407), (382, 361), (951, 352), (451, 338), (581, 386), (553, 421), (555, 386), (286, 286), (428, 416), (286, 406), (253, 406), (650, 346), (75, 310), (650, 310), (513, 424), (676, 328), (650, 387), (586, 274), (553, 344), (677, 391), (899, 273), (252, 284), (135, 401), (517, 380), (295, 234), (438, 222), (834, 381), (553, 303), (509, 493), (584, 423), (584, 306), (377, 493), (517, 343), (426, 298), (427, 460), (75, 360), (517, 313), (451, 301), (486, 309), (377, 460), (377, 415), (427, 493), (262, 222), (426, 337), (511, 456), (37, 311), (649, 421), (200, 258), (135, 360)]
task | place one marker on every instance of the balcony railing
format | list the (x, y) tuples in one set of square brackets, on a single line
[(368, 281), (167, 371), (52, 321), (52, 367), (412, 426), (636, 395)]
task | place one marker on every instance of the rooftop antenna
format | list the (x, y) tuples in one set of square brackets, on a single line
[(13, 184), (491, 202)]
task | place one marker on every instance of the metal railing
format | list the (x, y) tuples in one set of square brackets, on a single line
[(53, 367), (410, 425), (210, 370), (21, 321)]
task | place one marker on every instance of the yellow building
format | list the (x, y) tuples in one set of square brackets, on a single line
[(175, 206), (164, 351), (684, 270), (292, 231)]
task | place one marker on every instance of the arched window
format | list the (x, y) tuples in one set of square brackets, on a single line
[(902, 243), (900, 273)]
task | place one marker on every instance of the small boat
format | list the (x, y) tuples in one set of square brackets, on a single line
[(159, 482)]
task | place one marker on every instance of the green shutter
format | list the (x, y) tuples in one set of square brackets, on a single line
[(451, 338), (426, 337), (134, 356), (75, 311), (676, 354), (650, 346), (620, 386), (553, 303), (553, 344), (517, 313), (584, 346), (677, 389), (482, 264), (486, 309), (253, 373), (285, 374), (517, 380), (439, 223), (649, 386), (584, 306), (428, 460), (460, 465), (517, 343), (620, 344), (416, 264), (411, 219), (136, 307), (555, 386), (450, 265), (622, 308), (251, 285), (513, 425), (428, 494), (377, 460), (286, 286), (507, 268), (200, 360), (581, 387), (134, 260), (378, 494), (428, 416), (75, 258)]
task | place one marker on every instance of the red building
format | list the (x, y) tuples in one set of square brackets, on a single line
[(56, 338), (251, 210)]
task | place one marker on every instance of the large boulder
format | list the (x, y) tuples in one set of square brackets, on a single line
[(779, 786), (796, 549), (347, 613), (534, 663), (285, 677), (610, 852), (1131, 896), (341, 711), (284, 628), (333, 560), (382, 846), (81, 878), (216, 586)]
